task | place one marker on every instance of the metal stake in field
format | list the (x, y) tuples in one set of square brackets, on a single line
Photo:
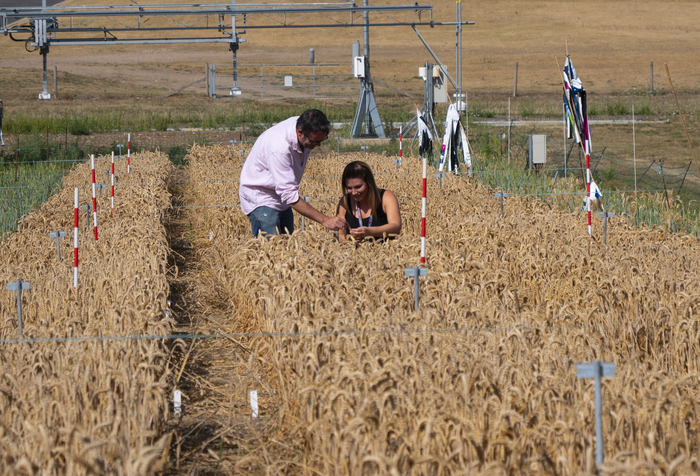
[(605, 216), (58, 235), (101, 186), (501, 195), (303, 218), (423, 203), (111, 213), (18, 286), (439, 177), (94, 196), (75, 245), (597, 370), (400, 144), (364, 147), (128, 153), (88, 208), (415, 272), (242, 155)]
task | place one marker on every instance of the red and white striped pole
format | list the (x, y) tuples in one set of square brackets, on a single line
[(75, 246), (128, 153), (422, 220), (94, 196), (400, 143), (112, 176)]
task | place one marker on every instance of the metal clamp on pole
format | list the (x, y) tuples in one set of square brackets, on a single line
[(605, 216), (597, 370), (415, 273), (501, 195), (58, 235), (18, 286)]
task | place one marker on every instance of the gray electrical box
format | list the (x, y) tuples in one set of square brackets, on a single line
[(439, 86), (537, 145)]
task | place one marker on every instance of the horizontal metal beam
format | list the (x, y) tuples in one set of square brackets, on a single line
[(127, 10)]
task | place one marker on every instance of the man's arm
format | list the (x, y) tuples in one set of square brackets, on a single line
[(332, 223)]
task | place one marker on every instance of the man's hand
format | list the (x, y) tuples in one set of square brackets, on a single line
[(335, 223)]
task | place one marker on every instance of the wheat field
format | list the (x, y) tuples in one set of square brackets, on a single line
[(483, 379), (88, 407)]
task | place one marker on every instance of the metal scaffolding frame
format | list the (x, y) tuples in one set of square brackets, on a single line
[(56, 25)]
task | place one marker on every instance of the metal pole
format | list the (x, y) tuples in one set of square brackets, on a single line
[(365, 39), (415, 281), (509, 130), (261, 81), (55, 81), (634, 151), (19, 304), (44, 53), (598, 416), (564, 109)]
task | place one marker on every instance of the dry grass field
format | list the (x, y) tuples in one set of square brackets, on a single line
[(94, 406), (481, 381), (350, 379)]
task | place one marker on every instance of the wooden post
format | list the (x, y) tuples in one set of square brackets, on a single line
[(515, 81), (651, 77), (55, 82)]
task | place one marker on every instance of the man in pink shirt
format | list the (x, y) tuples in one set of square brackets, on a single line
[(269, 187)]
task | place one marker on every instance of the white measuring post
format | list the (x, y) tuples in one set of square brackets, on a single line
[(75, 244), (58, 235), (439, 177), (303, 219), (18, 286), (177, 402), (415, 273), (501, 195), (424, 200), (605, 216), (254, 402), (111, 213), (128, 154), (94, 195), (597, 370), (364, 147)]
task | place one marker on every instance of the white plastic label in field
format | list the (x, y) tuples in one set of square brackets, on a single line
[(177, 402), (254, 402)]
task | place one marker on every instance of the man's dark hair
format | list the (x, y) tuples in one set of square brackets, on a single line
[(313, 120)]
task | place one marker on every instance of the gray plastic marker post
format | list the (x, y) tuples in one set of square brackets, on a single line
[(88, 208), (440, 176), (605, 216), (303, 219), (18, 286), (415, 273), (597, 370), (58, 235), (501, 195)]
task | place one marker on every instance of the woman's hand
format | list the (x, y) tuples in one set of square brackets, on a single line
[(360, 232)]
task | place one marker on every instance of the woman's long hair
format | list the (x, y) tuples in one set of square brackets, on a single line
[(360, 170)]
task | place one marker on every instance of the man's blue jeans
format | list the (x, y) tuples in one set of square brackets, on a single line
[(271, 221)]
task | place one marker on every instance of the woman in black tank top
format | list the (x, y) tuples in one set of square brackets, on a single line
[(370, 212)]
